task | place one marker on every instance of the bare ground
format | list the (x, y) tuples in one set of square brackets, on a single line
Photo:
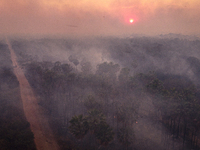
[(39, 125)]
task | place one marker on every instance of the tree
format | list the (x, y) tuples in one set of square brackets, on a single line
[(108, 71), (57, 67), (74, 60), (86, 66), (91, 103), (127, 115), (155, 86), (79, 126), (66, 68), (124, 75), (104, 133), (125, 136), (94, 118), (123, 79), (96, 123)]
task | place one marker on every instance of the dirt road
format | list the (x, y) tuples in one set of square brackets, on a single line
[(44, 139)]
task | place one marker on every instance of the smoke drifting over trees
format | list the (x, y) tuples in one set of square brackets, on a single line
[(117, 93)]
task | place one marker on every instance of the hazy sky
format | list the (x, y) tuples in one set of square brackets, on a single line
[(104, 17)]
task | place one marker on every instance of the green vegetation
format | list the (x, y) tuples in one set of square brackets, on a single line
[(96, 123), (178, 106), (109, 110), (79, 126), (101, 106), (87, 104)]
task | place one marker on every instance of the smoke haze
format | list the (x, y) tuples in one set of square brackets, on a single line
[(85, 60), (86, 18)]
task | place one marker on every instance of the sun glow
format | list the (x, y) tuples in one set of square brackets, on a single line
[(131, 20)]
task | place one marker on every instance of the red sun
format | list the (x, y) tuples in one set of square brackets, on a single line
[(131, 20)]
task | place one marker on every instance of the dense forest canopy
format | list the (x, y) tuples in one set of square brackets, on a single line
[(116, 93)]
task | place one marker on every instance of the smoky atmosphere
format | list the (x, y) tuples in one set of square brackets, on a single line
[(109, 75)]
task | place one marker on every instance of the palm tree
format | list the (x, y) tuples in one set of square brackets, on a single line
[(79, 126), (104, 133), (98, 126), (94, 118)]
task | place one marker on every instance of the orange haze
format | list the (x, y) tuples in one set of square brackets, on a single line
[(106, 17)]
